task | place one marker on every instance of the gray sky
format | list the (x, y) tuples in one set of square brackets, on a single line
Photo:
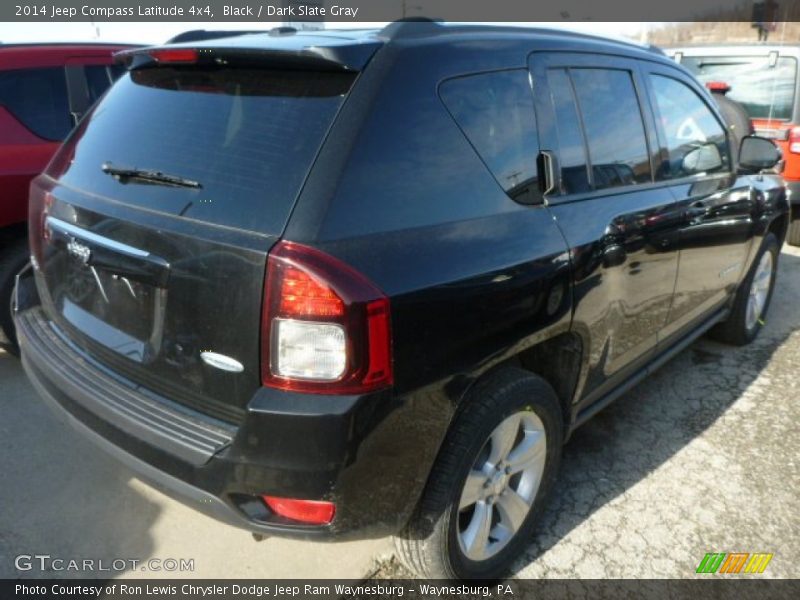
[(154, 33)]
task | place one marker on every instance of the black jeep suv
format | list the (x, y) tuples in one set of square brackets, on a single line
[(356, 284)]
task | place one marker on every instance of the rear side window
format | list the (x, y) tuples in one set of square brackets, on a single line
[(248, 136), (38, 99), (689, 127), (495, 111), (571, 145), (614, 128)]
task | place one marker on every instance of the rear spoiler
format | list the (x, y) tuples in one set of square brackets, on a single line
[(333, 55)]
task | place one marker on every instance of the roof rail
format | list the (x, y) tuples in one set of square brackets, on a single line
[(423, 26)]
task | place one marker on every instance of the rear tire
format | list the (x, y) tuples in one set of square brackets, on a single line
[(494, 471), (793, 235), (752, 299), (13, 257)]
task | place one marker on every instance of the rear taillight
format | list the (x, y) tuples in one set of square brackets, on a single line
[(325, 328), (794, 140)]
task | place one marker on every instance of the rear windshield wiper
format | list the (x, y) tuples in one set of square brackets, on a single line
[(125, 174)]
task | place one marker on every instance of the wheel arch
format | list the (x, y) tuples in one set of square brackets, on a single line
[(557, 360)]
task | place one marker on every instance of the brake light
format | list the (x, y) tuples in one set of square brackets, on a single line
[(174, 55), (794, 140), (325, 328), (313, 512), (302, 296)]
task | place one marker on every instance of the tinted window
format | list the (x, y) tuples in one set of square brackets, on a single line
[(689, 126), (614, 129), (571, 147), (495, 111), (38, 99), (248, 136), (766, 92), (99, 78)]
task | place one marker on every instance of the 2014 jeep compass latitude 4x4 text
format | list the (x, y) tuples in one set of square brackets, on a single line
[(351, 284)]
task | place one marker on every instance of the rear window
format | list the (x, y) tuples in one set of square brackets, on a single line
[(495, 111), (766, 92), (38, 99), (571, 145), (248, 136), (597, 111), (613, 125)]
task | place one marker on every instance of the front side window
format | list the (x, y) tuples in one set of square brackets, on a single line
[(495, 112), (37, 98), (695, 139)]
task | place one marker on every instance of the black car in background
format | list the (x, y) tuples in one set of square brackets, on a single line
[(351, 284)]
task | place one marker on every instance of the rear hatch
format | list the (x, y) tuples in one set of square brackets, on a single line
[(152, 226)]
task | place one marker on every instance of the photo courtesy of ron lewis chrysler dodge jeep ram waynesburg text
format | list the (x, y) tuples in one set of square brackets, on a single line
[(384, 309)]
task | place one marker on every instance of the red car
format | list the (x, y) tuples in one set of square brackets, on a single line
[(44, 90)]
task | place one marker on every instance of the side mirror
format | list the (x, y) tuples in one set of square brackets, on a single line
[(702, 159), (757, 154)]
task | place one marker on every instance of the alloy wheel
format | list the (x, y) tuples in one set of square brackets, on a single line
[(501, 486), (759, 291)]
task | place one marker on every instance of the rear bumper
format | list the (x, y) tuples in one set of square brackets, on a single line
[(364, 453)]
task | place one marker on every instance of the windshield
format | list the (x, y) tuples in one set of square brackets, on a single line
[(766, 92)]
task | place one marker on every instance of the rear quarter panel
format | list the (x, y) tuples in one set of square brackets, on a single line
[(472, 275)]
